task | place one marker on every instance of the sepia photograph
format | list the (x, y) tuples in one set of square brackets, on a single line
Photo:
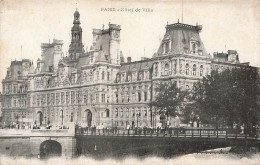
[(130, 82)]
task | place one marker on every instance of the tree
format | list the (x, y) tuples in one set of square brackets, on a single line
[(168, 98), (228, 97)]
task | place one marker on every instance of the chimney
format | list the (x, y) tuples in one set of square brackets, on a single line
[(128, 59)]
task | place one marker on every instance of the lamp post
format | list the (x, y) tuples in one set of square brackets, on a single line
[(153, 119)]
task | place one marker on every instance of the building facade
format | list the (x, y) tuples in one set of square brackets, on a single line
[(98, 87)]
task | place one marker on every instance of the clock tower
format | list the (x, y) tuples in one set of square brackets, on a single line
[(76, 46)]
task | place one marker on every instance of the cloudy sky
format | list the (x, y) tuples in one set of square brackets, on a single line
[(229, 24)]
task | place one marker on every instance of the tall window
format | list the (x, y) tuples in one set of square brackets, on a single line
[(139, 96), (72, 98), (97, 75), (194, 70), (97, 98), (127, 112), (103, 75), (108, 75), (71, 116), (116, 112), (103, 97), (156, 69), (187, 69), (201, 70), (107, 112), (127, 97), (123, 97), (193, 47), (67, 98), (116, 98), (57, 98), (145, 96), (85, 98), (133, 96), (166, 69)]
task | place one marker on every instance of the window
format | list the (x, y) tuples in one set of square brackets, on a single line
[(145, 96), (107, 112), (103, 75), (103, 96), (127, 112), (133, 96), (108, 97), (166, 69), (145, 112), (62, 98), (201, 70), (122, 113), (108, 76), (57, 98), (116, 112), (123, 97), (86, 98), (71, 117), (187, 69), (97, 98), (127, 98), (155, 69), (72, 97), (78, 97), (194, 70), (97, 75), (39, 98), (139, 96), (67, 97), (187, 87), (193, 47), (116, 98)]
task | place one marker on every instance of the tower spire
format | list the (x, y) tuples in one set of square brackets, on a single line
[(76, 45)]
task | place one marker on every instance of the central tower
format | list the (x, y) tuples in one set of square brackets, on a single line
[(76, 46)]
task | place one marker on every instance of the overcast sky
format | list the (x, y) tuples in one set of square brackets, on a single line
[(234, 23)]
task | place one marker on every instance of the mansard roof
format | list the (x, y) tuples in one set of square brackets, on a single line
[(136, 66), (181, 36)]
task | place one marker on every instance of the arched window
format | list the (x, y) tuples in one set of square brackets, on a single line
[(187, 69), (166, 69), (107, 112), (201, 70), (194, 70)]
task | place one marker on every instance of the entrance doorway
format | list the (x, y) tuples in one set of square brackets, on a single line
[(50, 148)]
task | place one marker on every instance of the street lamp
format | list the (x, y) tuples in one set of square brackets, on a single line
[(153, 119)]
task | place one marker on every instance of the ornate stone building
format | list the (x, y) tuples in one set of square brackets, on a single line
[(97, 87)]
